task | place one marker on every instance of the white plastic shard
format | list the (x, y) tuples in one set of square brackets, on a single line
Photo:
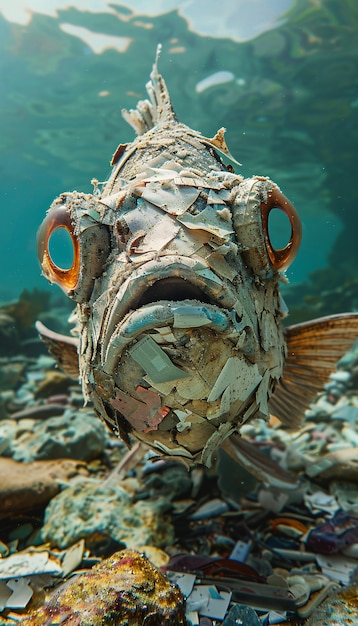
[(179, 452), (336, 567), (227, 400), (90, 216), (193, 388), (28, 564), (183, 414), (158, 236), (214, 198), (272, 499), (173, 172), (184, 581), (160, 163), (224, 431), (268, 330), (99, 305), (239, 376), (186, 316), (144, 217), (174, 201), (72, 557), (209, 601), (169, 172), (21, 593), (262, 393), (208, 220), (186, 244), (220, 266), (155, 361), (112, 200), (208, 274), (163, 388), (163, 335)]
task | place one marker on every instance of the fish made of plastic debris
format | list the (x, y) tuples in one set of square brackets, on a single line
[(179, 338)]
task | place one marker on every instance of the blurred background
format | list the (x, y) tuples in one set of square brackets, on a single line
[(280, 75)]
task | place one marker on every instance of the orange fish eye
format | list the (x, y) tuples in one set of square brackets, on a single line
[(58, 218), (281, 258)]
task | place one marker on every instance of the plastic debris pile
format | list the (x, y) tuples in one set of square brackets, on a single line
[(236, 548)]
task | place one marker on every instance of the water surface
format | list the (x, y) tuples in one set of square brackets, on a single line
[(280, 76)]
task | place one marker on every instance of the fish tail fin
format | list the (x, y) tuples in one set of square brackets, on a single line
[(157, 109), (313, 350)]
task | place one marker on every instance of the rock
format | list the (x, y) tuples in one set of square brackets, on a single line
[(54, 382), (173, 481), (241, 614), (11, 373), (77, 434), (124, 590), (26, 486), (7, 435), (9, 340), (96, 512), (6, 397), (337, 610)]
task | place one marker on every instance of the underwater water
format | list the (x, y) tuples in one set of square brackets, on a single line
[(280, 76)]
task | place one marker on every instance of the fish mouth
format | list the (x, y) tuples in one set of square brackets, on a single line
[(161, 291), (173, 289)]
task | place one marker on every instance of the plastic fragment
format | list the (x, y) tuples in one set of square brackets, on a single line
[(272, 499), (28, 564), (189, 317), (175, 201), (72, 557), (209, 221), (21, 593), (334, 535), (237, 376), (241, 551), (346, 494), (144, 414), (337, 568), (320, 501), (207, 601), (213, 508), (155, 361), (183, 580)]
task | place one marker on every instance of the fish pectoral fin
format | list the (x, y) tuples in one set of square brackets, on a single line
[(258, 463), (313, 349), (63, 348)]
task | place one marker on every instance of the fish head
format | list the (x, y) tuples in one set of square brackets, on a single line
[(176, 282)]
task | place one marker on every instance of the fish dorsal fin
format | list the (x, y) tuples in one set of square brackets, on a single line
[(313, 349), (219, 143), (62, 348), (158, 109)]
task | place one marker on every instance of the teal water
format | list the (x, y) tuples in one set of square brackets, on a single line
[(280, 76)]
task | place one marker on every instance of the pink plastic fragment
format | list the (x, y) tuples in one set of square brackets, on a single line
[(145, 414)]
